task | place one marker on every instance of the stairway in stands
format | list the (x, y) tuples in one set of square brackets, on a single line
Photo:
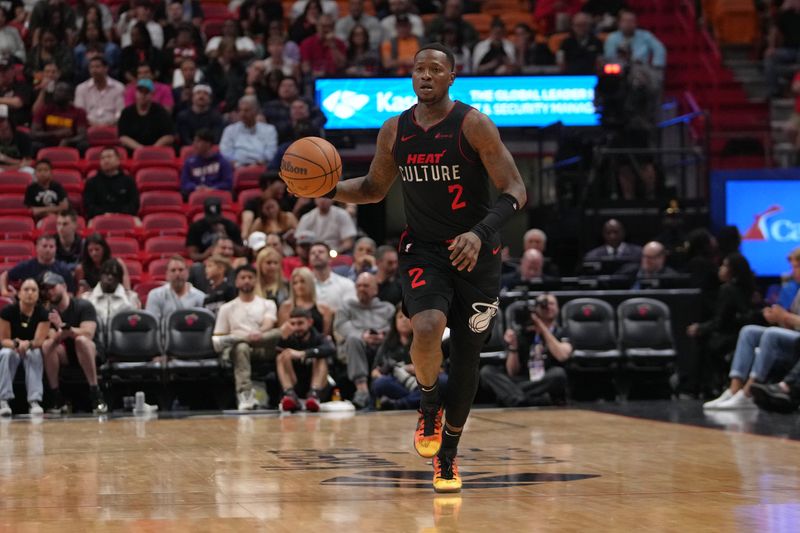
[(739, 126)]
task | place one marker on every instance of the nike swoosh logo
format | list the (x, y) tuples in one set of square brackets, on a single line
[(404, 138), (495, 250)]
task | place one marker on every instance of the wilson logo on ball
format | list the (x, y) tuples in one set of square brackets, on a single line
[(287, 166)]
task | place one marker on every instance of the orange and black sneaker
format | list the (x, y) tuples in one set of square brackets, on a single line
[(445, 474), (428, 436)]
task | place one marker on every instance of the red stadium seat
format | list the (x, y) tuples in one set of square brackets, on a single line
[(70, 179), (197, 198), (212, 28), (135, 271), (247, 177), (102, 136), (246, 195), (14, 182), (153, 156), (216, 11), (115, 224), (157, 201), (230, 215), (342, 260), (164, 246), (165, 224), (158, 179), (92, 159), (62, 157), (16, 248), (75, 201), (12, 204), (144, 288), (48, 224), (157, 269), (124, 247), (19, 227)]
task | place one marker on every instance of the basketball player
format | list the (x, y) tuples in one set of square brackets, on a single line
[(446, 152)]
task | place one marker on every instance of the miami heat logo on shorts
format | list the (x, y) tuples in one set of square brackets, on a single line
[(484, 312)]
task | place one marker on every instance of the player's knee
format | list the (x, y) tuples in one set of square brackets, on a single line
[(429, 326)]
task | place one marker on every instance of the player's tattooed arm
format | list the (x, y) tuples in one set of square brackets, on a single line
[(373, 187)]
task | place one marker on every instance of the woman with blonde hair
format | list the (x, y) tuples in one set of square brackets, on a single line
[(303, 294), (270, 283)]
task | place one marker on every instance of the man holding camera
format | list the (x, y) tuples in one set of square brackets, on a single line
[(536, 350)]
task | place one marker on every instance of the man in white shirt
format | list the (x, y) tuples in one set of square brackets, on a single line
[(100, 96), (245, 328), (176, 294), (249, 142), (332, 289), (109, 297), (330, 224), (142, 12), (401, 7), (345, 24)]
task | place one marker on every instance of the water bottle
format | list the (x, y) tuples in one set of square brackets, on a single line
[(535, 365)]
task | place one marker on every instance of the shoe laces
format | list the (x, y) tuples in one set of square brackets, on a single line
[(446, 466), (430, 421)]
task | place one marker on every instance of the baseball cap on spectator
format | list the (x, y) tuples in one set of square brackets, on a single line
[(202, 87), (305, 236), (212, 207), (144, 83), (257, 240), (51, 279)]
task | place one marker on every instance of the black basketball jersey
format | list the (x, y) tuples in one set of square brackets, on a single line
[(445, 185)]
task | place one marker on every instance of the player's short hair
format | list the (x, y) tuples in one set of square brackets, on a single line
[(439, 47)]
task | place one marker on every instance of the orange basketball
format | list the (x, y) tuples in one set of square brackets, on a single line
[(311, 167)]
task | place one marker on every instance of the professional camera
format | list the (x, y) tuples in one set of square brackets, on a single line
[(523, 314)]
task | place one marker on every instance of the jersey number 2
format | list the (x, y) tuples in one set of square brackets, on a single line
[(416, 274), (457, 191)]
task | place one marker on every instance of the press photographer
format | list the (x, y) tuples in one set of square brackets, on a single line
[(536, 350)]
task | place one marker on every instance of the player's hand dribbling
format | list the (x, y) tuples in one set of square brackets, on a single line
[(464, 251)]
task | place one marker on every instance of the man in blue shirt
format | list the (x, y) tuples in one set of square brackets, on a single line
[(206, 169), (791, 285), (635, 45), (45, 261), (249, 142)]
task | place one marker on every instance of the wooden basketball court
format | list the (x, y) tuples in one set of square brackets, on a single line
[(523, 470)]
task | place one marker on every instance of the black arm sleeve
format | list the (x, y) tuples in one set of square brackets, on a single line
[(504, 208)]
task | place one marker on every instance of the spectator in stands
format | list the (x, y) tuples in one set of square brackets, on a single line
[(323, 54), (495, 54), (278, 59), (186, 44), (703, 268), (205, 231), (51, 14), (185, 79), (44, 261), (716, 337), (200, 116), (270, 283), (614, 245), (244, 46), (401, 7), (145, 123), (793, 124), (302, 362), (777, 347), (45, 86), (330, 224), (245, 329), (276, 27), (100, 96), (536, 352), (530, 54), (220, 290), (329, 7), (47, 51), (386, 262), (226, 76), (362, 324), (303, 239), (23, 330), (110, 296), (553, 15), (581, 51), (332, 289), (96, 252), (205, 169), (397, 53), (530, 272), (75, 323), (451, 38), (140, 50), (273, 220), (142, 15), (179, 16), (652, 265), (161, 93), (60, 123), (279, 111), (783, 44), (254, 17), (14, 94), (604, 12), (305, 25), (69, 244), (221, 246), (783, 397), (357, 17), (394, 385), (16, 149), (363, 259), (11, 43), (362, 56), (92, 43), (640, 50), (536, 239), (110, 190), (303, 295), (452, 11), (177, 293), (249, 142), (92, 11), (791, 281), (729, 240), (256, 83), (45, 196)]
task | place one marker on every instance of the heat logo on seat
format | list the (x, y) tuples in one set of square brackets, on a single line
[(767, 228)]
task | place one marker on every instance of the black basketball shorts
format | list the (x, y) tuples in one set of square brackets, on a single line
[(430, 281)]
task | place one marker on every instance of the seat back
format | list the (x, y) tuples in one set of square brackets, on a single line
[(644, 323), (14, 182), (133, 336), (589, 323), (16, 248), (117, 224), (124, 247), (16, 227), (165, 224), (165, 245), (70, 179), (189, 334), (157, 179), (60, 155), (158, 201)]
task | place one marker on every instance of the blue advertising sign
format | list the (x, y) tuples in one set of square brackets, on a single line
[(767, 213), (510, 101)]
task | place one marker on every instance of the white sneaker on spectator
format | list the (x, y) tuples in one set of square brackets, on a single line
[(5, 409), (738, 401), (727, 395), (247, 401), (35, 409)]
